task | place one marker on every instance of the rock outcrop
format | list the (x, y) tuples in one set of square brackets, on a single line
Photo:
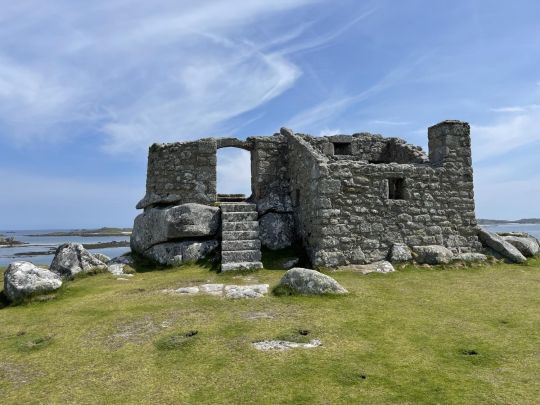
[(432, 254), (23, 279), (72, 258), (527, 246), (176, 253), (159, 225), (499, 245), (309, 282)]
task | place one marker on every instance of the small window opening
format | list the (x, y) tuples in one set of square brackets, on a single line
[(296, 197), (396, 189), (342, 148)]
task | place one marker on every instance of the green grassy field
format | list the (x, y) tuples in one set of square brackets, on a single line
[(448, 336)]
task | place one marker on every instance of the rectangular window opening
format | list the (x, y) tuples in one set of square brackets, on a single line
[(342, 148), (396, 189)]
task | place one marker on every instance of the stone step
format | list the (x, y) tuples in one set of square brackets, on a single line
[(241, 256), (241, 266), (239, 207), (238, 216), (239, 235), (231, 197), (229, 245), (240, 226)]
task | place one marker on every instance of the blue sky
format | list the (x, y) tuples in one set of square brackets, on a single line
[(86, 87)]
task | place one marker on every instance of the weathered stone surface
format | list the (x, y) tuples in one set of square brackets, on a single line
[(400, 252), (432, 254), (176, 253), (234, 266), (289, 263), (188, 290), (310, 282), (246, 291), (101, 257), (158, 225), (212, 289), (376, 267), (116, 269), (498, 244), (281, 345), (471, 257), (126, 258), (23, 279), (73, 258), (276, 231), (527, 246)]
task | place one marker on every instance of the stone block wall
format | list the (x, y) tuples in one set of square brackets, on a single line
[(352, 218), (181, 172), (270, 174)]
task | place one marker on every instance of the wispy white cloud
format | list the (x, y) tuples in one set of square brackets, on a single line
[(389, 122), (326, 112), (328, 132), (515, 109), (159, 71), (506, 133)]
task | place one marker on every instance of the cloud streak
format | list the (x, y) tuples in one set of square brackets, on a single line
[(157, 72)]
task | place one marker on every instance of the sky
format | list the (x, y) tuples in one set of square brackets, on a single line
[(86, 87)]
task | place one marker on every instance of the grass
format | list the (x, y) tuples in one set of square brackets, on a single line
[(419, 335)]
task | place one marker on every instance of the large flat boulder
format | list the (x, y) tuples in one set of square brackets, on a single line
[(527, 246), (432, 254), (176, 253), (499, 245), (73, 258), (158, 225), (309, 282), (23, 279), (276, 230)]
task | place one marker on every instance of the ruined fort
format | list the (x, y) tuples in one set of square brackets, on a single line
[(348, 199)]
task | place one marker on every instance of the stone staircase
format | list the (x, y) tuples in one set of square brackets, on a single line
[(240, 244)]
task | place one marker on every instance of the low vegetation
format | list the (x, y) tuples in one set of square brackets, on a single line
[(419, 335)]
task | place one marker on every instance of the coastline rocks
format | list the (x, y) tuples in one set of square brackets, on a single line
[(499, 245), (309, 282), (175, 253), (276, 231), (73, 258), (432, 254), (23, 279), (158, 225), (400, 252), (527, 246)]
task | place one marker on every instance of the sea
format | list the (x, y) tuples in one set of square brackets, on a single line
[(39, 242)]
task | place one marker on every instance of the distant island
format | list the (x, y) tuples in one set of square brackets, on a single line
[(504, 221), (9, 241), (90, 232)]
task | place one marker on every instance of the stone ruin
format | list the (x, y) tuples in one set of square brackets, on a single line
[(347, 199)]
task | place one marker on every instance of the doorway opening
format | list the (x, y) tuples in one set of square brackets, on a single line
[(233, 174)]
